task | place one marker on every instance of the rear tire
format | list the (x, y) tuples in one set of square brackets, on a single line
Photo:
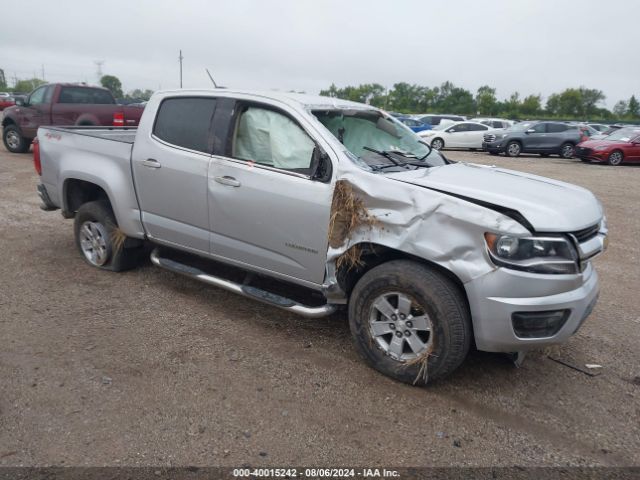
[(99, 240), (409, 351), (437, 144), (14, 141), (615, 158), (567, 150), (514, 149)]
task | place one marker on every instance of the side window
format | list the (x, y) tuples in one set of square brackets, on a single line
[(185, 122), (557, 127), (38, 96), (540, 128), (474, 127), (270, 138)]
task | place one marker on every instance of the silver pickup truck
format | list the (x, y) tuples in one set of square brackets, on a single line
[(312, 204)]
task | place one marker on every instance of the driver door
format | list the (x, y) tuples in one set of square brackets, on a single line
[(37, 112)]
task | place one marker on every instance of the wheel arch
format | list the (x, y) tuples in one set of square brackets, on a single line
[(374, 254), (76, 192)]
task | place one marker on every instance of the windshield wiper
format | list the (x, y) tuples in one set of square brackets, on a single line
[(386, 154)]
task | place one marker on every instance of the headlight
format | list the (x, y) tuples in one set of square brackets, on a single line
[(548, 254), (601, 147)]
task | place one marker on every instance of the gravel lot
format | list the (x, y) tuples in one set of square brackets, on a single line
[(149, 368)]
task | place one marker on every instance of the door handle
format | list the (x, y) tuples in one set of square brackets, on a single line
[(151, 163), (226, 180)]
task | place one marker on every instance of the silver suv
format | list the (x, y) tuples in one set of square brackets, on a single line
[(545, 138)]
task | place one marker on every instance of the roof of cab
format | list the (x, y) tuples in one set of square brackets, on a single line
[(291, 98)]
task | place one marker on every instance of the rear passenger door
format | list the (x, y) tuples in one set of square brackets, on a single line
[(170, 169), (556, 135), (264, 208)]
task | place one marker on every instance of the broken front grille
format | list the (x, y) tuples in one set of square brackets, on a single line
[(586, 233)]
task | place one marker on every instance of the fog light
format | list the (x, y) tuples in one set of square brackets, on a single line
[(538, 324)]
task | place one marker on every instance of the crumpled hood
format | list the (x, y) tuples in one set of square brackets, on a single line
[(548, 205)]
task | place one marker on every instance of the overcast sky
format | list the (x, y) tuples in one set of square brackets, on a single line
[(538, 46)]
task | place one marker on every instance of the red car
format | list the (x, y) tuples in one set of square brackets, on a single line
[(623, 145), (6, 102)]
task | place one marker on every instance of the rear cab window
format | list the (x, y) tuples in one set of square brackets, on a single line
[(86, 95), (185, 122), (558, 127)]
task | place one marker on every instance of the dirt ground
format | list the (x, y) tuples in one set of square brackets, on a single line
[(150, 368)]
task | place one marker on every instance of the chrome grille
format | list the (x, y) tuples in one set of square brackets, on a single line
[(489, 137)]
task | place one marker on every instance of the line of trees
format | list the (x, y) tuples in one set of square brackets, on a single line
[(571, 104)]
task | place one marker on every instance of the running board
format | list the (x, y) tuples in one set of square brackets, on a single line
[(244, 290)]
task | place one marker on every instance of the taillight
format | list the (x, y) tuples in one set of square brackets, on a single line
[(36, 156), (118, 119)]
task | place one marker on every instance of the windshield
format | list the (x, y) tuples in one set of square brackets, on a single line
[(520, 127), (361, 130), (623, 135)]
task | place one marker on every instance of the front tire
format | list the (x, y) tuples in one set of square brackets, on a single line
[(437, 144), (14, 141), (514, 149), (410, 322), (99, 240), (615, 158)]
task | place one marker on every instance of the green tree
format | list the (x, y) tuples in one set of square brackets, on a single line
[(633, 107), (486, 101), (511, 107), (112, 83), (590, 98), (531, 105), (3, 80), (620, 109), (452, 99), (139, 95), (26, 86)]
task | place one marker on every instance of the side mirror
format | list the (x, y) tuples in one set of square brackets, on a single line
[(20, 102), (531, 130), (451, 130), (321, 168)]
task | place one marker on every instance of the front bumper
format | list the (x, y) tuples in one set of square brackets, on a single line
[(493, 147), (492, 311), (592, 154)]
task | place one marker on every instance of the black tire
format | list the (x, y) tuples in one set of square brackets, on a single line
[(567, 150), (513, 149), (615, 158), (437, 143), (119, 255), (14, 141), (585, 160), (436, 295)]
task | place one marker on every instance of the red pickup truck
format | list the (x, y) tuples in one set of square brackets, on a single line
[(63, 104)]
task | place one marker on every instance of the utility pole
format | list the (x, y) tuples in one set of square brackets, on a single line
[(43, 73), (180, 58), (99, 64)]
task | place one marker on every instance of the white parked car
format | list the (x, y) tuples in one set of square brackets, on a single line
[(495, 122), (457, 135)]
